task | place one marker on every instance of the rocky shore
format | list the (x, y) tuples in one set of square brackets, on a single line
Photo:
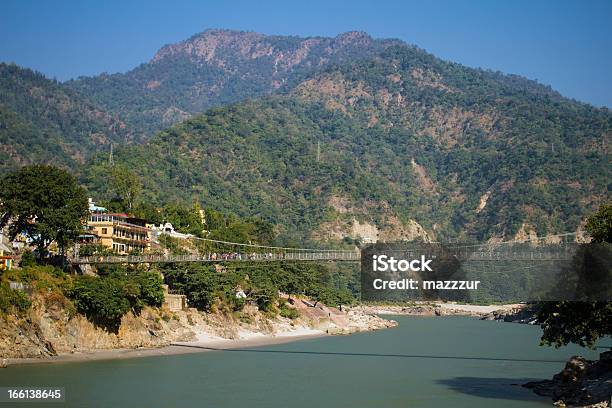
[(582, 383), (524, 315), (430, 309), (51, 330)]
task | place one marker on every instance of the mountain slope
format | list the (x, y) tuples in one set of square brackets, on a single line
[(402, 145), (43, 122), (216, 67), (515, 148)]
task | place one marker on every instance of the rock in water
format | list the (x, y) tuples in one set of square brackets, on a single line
[(582, 383)]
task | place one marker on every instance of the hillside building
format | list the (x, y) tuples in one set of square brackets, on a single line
[(118, 232), (6, 260)]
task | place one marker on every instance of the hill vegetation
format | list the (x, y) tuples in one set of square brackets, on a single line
[(330, 138), (308, 167), (42, 122), (213, 68)]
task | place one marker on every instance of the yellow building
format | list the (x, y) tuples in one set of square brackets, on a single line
[(6, 260), (118, 232)]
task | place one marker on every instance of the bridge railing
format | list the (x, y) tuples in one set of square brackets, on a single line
[(563, 253), (214, 257)]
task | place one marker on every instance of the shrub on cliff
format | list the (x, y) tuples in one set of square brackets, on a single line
[(105, 300), (102, 300), (286, 311), (204, 285), (13, 301), (151, 291)]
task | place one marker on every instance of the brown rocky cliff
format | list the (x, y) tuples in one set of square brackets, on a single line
[(52, 328)]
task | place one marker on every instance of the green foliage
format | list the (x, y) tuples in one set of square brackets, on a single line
[(205, 286), (201, 285), (184, 218), (42, 121), (151, 291), (105, 300), (149, 212), (575, 322), (174, 245), (599, 225), (13, 301), (94, 249), (126, 185), (581, 322), (27, 259), (158, 94), (47, 194), (286, 311)]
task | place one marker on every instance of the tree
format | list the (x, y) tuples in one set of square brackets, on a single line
[(44, 203), (580, 322), (126, 184), (183, 218), (106, 299), (575, 322), (599, 225)]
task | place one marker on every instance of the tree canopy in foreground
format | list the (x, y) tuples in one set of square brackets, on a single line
[(43, 202), (580, 322)]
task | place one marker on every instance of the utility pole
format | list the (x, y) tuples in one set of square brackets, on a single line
[(318, 151), (110, 156)]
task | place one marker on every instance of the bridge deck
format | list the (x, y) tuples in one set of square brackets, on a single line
[(340, 256), (350, 256)]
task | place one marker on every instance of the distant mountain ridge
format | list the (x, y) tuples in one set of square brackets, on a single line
[(330, 138), (214, 68), (396, 146), (42, 121)]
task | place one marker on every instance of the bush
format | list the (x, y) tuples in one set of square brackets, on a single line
[(13, 301), (286, 311), (105, 300), (94, 249), (102, 300), (41, 278), (27, 259), (151, 291), (204, 286)]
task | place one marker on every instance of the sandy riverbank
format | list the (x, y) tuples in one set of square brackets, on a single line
[(186, 331), (202, 344), (52, 334)]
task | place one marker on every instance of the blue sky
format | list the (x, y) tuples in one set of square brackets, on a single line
[(565, 44)]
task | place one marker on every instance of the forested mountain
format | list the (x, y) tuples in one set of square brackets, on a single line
[(389, 146), (213, 68), (42, 121), (332, 138)]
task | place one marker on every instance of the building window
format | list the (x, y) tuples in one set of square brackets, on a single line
[(104, 231)]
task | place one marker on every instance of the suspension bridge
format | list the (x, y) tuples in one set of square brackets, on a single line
[(216, 251)]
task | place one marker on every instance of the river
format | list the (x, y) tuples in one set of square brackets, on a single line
[(425, 362)]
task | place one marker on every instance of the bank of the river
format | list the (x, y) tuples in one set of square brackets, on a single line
[(198, 346), (158, 333), (440, 309), (424, 362), (51, 333)]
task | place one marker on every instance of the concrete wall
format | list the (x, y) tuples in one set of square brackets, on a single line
[(175, 302)]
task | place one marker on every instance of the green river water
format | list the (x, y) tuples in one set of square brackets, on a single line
[(425, 362)]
